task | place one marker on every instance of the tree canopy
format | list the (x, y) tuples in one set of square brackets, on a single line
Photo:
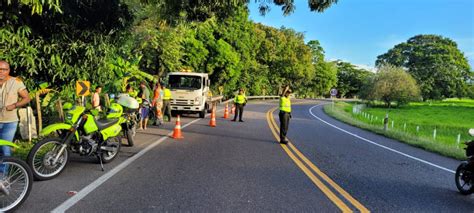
[(436, 63), (112, 40), (350, 79), (391, 84)]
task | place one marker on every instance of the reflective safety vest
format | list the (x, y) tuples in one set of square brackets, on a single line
[(240, 99), (166, 94), (133, 94), (285, 104)]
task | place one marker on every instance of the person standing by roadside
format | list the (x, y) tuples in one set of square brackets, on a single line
[(240, 101), (166, 102), (145, 107), (13, 94), (96, 98), (285, 114), (129, 90), (157, 104)]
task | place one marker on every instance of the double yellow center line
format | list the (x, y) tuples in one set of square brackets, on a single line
[(314, 173)]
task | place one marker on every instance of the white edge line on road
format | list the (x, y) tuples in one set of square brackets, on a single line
[(92, 186), (379, 145)]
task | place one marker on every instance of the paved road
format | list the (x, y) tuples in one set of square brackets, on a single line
[(240, 167)]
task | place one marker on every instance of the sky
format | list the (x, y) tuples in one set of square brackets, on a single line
[(357, 31)]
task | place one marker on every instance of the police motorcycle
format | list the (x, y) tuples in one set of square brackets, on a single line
[(81, 133), (465, 172), (16, 180), (130, 113)]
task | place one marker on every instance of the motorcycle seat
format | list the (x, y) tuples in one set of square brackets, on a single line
[(105, 123)]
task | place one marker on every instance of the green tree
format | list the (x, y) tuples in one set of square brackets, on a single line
[(435, 62), (288, 58), (391, 84), (193, 10), (350, 79), (325, 72)]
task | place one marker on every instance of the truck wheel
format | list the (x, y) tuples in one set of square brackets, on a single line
[(209, 110), (202, 114)]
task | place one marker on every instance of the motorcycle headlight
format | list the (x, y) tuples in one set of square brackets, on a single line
[(68, 117)]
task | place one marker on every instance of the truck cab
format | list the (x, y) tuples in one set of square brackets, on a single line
[(189, 92)]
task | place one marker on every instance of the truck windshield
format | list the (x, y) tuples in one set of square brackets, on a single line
[(185, 82)]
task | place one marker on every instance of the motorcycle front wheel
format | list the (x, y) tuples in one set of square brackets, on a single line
[(42, 157), (130, 138), (16, 180), (464, 179)]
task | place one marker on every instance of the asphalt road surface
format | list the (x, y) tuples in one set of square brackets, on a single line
[(239, 167)]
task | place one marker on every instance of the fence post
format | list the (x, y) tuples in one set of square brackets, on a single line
[(417, 129), (459, 139), (434, 134), (404, 127), (392, 124), (385, 122)]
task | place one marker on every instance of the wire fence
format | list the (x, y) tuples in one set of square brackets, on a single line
[(453, 136)]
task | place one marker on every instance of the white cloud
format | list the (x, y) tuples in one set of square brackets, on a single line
[(360, 66), (366, 67)]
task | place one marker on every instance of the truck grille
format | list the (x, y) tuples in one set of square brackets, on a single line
[(182, 102)]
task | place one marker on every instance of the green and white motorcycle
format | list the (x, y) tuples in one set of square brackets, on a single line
[(16, 181), (81, 133), (130, 113)]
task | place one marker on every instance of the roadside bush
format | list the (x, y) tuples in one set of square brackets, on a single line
[(391, 84)]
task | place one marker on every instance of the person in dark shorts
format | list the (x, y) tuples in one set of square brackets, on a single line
[(145, 106)]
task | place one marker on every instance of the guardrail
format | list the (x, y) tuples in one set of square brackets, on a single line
[(252, 98), (217, 98)]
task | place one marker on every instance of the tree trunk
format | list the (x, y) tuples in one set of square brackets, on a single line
[(107, 100), (38, 111), (60, 110)]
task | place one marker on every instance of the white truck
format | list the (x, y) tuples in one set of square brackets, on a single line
[(190, 92)]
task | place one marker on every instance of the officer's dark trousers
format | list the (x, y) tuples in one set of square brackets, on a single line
[(239, 110), (166, 109), (284, 122)]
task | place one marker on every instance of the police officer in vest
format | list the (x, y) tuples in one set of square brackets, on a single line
[(166, 102), (240, 100), (285, 114)]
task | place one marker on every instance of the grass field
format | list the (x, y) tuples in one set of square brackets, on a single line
[(416, 123)]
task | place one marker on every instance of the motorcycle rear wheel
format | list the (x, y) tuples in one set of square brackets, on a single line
[(464, 179), (41, 156), (108, 156), (15, 183)]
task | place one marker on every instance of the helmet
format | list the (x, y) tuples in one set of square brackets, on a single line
[(128, 102), (115, 111)]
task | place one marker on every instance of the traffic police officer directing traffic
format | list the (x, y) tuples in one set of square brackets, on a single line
[(285, 114), (166, 102), (240, 100)]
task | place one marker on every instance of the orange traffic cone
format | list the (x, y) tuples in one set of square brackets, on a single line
[(226, 112), (177, 130), (212, 123), (233, 110)]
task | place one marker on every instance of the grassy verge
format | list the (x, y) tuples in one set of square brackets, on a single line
[(343, 111)]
